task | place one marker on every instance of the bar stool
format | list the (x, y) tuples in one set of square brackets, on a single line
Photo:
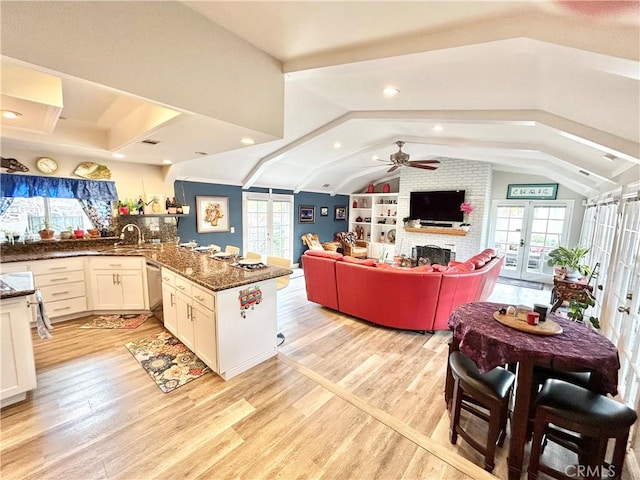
[(491, 391), (594, 418)]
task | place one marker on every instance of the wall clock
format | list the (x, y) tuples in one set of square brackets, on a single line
[(47, 165)]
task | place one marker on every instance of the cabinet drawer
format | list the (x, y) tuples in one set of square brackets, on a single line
[(168, 277), (57, 266), (120, 263), (204, 297), (183, 285), (62, 292), (58, 278), (66, 307)]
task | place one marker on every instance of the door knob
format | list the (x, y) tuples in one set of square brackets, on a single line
[(626, 310), (521, 242)]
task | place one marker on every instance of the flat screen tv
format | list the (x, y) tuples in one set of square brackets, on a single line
[(438, 206)]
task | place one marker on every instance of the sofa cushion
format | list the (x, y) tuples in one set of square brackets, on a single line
[(477, 261), (369, 262), (490, 251), (325, 254), (465, 265)]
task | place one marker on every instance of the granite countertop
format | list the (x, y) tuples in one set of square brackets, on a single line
[(198, 267), (16, 284)]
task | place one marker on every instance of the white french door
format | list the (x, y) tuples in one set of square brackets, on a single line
[(621, 309), (268, 224), (525, 231)]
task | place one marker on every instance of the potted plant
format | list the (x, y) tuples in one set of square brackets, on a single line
[(406, 221), (569, 260), (46, 232), (66, 234), (577, 309)]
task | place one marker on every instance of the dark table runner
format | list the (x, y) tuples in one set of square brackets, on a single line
[(490, 344)]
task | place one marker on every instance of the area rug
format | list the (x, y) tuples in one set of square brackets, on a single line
[(521, 283), (167, 360), (118, 321)]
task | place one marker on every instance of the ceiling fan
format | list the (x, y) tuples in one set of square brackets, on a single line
[(401, 159)]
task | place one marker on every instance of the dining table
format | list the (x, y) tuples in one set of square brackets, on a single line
[(479, 335)]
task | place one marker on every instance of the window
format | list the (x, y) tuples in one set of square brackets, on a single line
[(28, 215)]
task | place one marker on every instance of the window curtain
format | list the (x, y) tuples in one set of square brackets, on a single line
[(27, 186), (5, 203), (98, 211)]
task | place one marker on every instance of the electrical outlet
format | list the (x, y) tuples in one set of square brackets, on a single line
[(233, 229)]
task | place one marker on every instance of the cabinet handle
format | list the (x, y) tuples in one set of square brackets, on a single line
[(193, 315), (63, 308), (118, 278), (189, 312), (181, 287), (113, 278), (58, 268), (59, 293), (172, 302), (115, 264), (199, 298), (59, 279)]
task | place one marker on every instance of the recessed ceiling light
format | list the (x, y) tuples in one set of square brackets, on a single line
[(390, 91), (375, 157), (437, 128), (247, 141), (10, 114), (117, 155), (166, 161), (337, 145)]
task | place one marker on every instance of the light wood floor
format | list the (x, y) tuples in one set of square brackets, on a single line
[(343, 400)]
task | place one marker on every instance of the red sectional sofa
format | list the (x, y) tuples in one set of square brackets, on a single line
[(420, 298)]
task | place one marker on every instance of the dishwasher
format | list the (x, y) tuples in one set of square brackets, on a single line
[(154, 286)]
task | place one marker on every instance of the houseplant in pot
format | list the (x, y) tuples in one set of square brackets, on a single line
[(46, 232), (569, 261)]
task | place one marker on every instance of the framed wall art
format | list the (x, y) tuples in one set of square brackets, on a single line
[(212, 214), (324, 211), (307, 214), (340, 213), (532, 191)]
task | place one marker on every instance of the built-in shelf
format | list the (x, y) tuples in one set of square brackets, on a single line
[(437, 231)]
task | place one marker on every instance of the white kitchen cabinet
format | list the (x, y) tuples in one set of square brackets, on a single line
[(18, 371), (169, 307), (184, 321), (203, 316), (245, 337), (118, 283)]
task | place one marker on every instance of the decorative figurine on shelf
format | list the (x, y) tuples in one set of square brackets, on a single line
[(370, 188), (386, 188), (140, 206), (355, 203), (360, 232)]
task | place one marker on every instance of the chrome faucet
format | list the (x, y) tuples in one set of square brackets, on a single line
[(128, 228)]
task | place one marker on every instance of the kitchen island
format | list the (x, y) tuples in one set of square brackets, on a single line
[(18, 371), (224, 312)]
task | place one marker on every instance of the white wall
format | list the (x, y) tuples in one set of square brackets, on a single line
[(452, 174), (130, 178)]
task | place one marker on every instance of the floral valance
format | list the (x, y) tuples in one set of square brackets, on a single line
[(56, 187)]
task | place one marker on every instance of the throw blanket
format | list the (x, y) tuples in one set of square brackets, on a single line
[(43, 324)]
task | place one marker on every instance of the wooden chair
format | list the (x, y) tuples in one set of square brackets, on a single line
[(312, 241), (588, 420), (232, 250), (253, 256), (281, 282), (352, 246), (490, 391)]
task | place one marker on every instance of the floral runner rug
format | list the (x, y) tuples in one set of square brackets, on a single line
[(118, 321), (167, 360)]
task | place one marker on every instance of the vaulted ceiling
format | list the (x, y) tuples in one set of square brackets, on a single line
[(548, 88)]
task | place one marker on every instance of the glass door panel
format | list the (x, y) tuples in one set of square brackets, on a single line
[(268, 220), (525, 231)]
